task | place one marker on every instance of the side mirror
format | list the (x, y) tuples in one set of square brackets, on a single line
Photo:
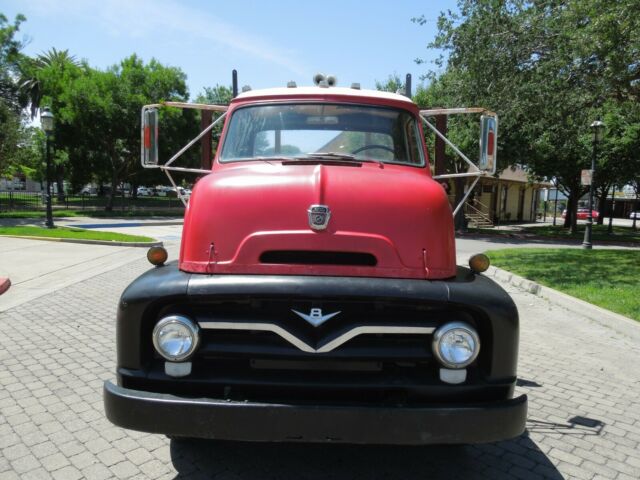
[(150, 137), (488, 143)]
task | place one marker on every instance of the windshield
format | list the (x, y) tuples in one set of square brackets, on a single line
[(299, 131)]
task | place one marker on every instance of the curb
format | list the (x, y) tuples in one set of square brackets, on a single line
[(88, 242), (540, 238), (121, 225), (607, 318)]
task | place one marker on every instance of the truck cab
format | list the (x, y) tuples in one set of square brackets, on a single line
[(317, 297)]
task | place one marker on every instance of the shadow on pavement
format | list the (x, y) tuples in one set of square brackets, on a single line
[(502, 460), (18, 222), (506, 240)]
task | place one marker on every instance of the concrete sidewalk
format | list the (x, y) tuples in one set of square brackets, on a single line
[(36, 268)]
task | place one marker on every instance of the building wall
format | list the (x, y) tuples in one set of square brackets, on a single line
[(18, 184), (510, 213), (483, 200)]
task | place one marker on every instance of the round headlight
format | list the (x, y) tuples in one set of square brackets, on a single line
[(175, 337), (456, 344)]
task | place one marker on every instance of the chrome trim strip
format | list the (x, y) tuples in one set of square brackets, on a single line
[(327, 347)]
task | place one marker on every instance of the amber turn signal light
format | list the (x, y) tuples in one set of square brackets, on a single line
[(157, 256), (479, 262)]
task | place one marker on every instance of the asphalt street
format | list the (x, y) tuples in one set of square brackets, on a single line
[(58, 347)]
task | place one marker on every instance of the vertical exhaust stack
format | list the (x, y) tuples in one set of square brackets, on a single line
[(234, 83), (407, 86)]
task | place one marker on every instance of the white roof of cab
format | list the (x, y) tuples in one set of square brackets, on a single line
[(316, 91)]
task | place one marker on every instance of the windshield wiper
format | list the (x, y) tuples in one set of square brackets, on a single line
[(334, 155), (263, 158), (345, 157)]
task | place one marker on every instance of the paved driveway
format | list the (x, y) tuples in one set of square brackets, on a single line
[(582, 379)]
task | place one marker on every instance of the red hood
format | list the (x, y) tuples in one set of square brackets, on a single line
[(396, 214)]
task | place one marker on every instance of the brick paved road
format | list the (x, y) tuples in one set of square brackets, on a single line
[(582, 379)]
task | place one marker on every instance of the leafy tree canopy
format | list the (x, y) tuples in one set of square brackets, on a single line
[(10, 58), (549, 68)]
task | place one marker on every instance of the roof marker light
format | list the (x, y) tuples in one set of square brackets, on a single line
[(291, 84), (355, 86)]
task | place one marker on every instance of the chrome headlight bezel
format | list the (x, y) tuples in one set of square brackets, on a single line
[(463, 328), (190, 326)]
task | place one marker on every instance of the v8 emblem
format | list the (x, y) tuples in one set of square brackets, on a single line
[(315, 316)]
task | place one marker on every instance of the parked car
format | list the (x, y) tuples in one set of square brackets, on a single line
[(144, 192), (173, 192), (635, 215), (184, 192), (583, 214), (89, 191), (161, 191)]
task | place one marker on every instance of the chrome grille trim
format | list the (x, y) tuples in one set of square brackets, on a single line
[(326, 347)]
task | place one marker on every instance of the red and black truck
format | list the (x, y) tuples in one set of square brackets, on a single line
[(317, 296)]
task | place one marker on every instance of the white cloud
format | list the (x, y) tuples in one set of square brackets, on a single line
[(148, 18)]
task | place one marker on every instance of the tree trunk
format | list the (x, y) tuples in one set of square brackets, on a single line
[(635, 209), (114, 181), (60, 182), (569, 214), (602, 199), (570, 220)]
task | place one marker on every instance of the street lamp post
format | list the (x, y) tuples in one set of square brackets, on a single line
[(555, 206), (46, 120), (597, 128)]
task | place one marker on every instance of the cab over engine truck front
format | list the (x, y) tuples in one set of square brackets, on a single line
[(317, 297)]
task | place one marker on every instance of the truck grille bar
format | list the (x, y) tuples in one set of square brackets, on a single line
[(324, 347)]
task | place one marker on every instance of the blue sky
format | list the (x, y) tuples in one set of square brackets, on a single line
[(269, 43)]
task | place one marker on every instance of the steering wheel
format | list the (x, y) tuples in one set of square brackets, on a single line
[(369, 147)]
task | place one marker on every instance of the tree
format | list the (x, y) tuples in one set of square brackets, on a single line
[(218, 95), (10, 58), (42, 76), (11, 102), (10, 135), (393, 84), (548, 68), (104, 107), (46, 78)]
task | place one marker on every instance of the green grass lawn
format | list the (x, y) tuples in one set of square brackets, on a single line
[(619, 234), (607, 278), (78, 233), (599, 233), (177, 212)]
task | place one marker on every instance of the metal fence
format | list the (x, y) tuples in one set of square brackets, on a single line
[(19, 200)]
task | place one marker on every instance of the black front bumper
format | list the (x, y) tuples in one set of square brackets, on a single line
[(248, 421)]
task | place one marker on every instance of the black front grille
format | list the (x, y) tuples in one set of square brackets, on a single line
[(257, 344), (262, 365)]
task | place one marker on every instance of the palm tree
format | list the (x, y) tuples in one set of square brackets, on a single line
[(33, 83), (31, 80)]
